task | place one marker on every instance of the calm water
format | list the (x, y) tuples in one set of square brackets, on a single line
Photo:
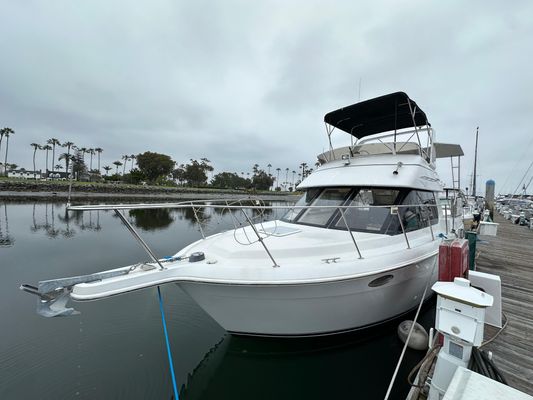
[(115, 348)]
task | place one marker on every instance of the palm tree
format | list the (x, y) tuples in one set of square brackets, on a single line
[(91, 152), (2, 133), (99, 151), (269, 166), (82, 150), (303, 165), (286, 175), (1, 137), (68, 145), (47, 148), (125, 157), (35, 148), (117, 164), (132, 157), (67, 157), (293, 173), (59, 166), (277, 180), (53, 142), (107, 168), (6, 133)]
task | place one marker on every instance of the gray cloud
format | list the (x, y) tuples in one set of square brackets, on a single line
[(240, 83)]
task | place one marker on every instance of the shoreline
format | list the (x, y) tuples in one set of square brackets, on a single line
[(19, 190), (21, 196)]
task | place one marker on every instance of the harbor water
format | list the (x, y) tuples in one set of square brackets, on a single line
[(115, 349)]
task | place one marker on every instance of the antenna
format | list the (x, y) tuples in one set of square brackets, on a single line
[(474, 193)]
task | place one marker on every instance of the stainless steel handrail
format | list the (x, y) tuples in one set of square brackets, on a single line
[(350, 232), (189, 204), (260, 238), (196, 206), (394, 210)]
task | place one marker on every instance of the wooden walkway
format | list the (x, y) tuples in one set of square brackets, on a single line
[(510, 255)]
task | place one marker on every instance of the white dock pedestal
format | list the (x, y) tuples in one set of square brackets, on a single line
[(492, 285), (468, 385)]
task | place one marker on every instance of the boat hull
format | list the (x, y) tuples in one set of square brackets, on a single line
[(317, 308)]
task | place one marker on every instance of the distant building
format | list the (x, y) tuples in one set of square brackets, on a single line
[(24, 174), (58, 175)]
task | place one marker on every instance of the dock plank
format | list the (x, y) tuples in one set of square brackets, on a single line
[(510, 255)]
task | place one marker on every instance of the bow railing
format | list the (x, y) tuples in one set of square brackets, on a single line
[(252, 213)]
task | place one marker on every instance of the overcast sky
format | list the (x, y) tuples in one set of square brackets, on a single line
[(244, 82)]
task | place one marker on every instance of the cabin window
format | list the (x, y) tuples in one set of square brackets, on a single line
[(364, 218), (328, 197), (305, 200), (421, 210)]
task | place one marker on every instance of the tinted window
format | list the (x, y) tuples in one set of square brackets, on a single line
[(328, 197), (305, 200), (421, 210), (369, 219)]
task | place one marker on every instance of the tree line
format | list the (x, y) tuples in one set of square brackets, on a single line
[(84, 163)]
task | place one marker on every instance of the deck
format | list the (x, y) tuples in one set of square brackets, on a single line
[(510, 255)]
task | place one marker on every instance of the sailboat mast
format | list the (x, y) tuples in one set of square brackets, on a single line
[(475, 166)]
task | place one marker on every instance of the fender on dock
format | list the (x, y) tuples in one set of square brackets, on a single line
[(419, 338)]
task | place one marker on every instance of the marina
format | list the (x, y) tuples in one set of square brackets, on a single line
[(266, 200), (364, 246)]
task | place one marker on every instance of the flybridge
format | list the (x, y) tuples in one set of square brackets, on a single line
[(391, 112), (391, 124)]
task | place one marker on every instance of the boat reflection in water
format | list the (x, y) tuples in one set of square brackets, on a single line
[(355, 365)]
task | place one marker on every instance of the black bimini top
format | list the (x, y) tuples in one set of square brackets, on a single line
[(381, 114)]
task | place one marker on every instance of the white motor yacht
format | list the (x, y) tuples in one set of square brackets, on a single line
[(357, 249)]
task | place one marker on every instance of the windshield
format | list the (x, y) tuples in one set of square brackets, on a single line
[(328, 197), (305, 200), (365, 209), (369, 219)]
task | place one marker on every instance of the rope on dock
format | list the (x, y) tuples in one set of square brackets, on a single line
[(391, 384), (497, 333), (167, 341)]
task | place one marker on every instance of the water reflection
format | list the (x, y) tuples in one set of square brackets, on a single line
[(53, 219), (151, 220), (6, 240), (353, 365)]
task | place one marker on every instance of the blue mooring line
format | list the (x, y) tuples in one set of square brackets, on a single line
[(168, 344)]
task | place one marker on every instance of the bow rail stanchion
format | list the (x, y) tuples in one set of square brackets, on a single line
[(250, 222), (138, 237), (350, 232), (394, 210)]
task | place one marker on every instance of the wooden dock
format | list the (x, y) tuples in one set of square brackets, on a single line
[(510, 255)]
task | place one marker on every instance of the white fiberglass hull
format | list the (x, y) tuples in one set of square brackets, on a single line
[(314, 309)]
